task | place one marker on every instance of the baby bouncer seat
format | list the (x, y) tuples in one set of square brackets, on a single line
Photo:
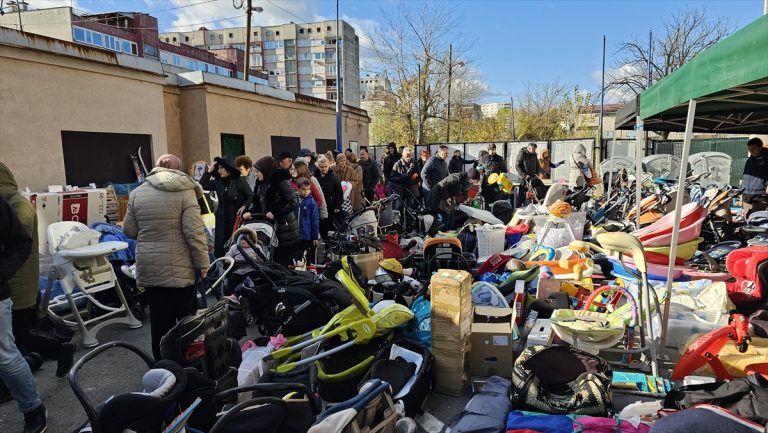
[(81, 265)]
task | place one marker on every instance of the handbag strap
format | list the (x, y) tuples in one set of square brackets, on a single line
[(205, 200)]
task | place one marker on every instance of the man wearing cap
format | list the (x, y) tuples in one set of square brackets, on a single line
[(285, 160), (311, 160), (527, 165)]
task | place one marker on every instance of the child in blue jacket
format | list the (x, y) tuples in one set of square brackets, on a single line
[(309, 218)]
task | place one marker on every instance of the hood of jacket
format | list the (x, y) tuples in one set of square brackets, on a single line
[(580, 150), (166, 179), (8, 186), (279, 175)]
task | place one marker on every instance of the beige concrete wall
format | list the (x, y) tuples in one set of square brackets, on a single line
[(55, 23), (172, 108), (42, 94), (194, 124), (258, 118)]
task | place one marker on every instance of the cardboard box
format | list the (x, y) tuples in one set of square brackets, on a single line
[(87, 206), (450, 370), (547, 287), (492, 339), (451, 282)]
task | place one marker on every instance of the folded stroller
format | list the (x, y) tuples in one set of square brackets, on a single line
[(140, 412), (285, 301), (344, 349)]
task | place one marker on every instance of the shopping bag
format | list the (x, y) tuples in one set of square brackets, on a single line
[(209, 219)]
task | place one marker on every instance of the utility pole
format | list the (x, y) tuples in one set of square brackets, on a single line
[(246, 69), (339, 90), (420, 131), (450, 72), (249, 9), (18, 11), (512, 115), (602, 104)]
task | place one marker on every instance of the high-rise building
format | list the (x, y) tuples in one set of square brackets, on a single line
[(300, 58), (375, 91)]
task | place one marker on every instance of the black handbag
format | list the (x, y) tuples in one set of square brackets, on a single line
[(747, 397)]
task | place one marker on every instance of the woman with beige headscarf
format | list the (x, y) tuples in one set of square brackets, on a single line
[(171, 247), (347, 170)]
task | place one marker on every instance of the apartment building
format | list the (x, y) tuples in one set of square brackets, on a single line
[(300, 58), (492, 109), (130, 33)]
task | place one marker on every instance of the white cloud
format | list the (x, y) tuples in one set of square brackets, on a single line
[(621, 94), (210, 14)]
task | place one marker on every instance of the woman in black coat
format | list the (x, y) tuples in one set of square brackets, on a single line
[(233, 193), (277, 204), (331, 186)]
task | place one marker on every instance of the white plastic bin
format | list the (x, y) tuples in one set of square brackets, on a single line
[(490, 240)]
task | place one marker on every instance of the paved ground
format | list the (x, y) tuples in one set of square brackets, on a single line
[(120, 371)]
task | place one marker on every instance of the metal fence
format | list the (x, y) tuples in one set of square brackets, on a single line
[(736, 148), (560, 150)]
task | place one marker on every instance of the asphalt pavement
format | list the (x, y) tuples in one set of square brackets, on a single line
[(119, 371)]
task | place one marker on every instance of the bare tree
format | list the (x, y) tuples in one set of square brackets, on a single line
[(685, 34), (419, 33)]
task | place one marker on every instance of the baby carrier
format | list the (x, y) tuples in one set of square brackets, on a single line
[(750, 268), (140, 412)]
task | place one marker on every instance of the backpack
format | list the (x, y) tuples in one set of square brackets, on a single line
[(561, 380), (750, 268)]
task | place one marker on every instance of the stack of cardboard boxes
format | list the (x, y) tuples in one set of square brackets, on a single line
[(451, 320)]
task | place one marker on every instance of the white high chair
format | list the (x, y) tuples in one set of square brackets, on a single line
[(87, 269)]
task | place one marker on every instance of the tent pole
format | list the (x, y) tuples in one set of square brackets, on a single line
[(638, 169), (678, 214)]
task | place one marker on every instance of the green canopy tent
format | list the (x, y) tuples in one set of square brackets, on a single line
[(723, 89)]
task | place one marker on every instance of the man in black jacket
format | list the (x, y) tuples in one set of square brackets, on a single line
[(15, 247), (527, 165), (370, 173), (457, 163), (334, 196), (492, 163), (441, 199)]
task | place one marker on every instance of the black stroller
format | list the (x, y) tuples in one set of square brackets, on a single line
[(289, 302), (140, 412)]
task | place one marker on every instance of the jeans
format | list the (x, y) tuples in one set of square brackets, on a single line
[(14, 370)]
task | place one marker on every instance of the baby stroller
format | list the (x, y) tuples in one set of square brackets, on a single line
[(272, 408), (443, 253), (370, 410), (344, 349), (140, 412), (288, 302)]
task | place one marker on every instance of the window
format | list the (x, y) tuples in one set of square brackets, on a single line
[(290, 80), (330, 55), (150, 50), (319, 83), (79, 34), (255, 33), (277, 33), (309, 30), (255, 59), (328, 28), (318, 70), (319, 30), (174, 39), (301, 31), (231, 35), (332, 96), (271, 45), (305, 84), (330, 70), (127, 46), (317, 43), (167, 39), (305, 70), (176, 60), (213, 38), (305, 56), (186, 38)]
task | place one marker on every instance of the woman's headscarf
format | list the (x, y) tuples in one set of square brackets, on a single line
[(170, 161)]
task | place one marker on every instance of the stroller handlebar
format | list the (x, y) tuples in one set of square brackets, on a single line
[(221, 422), (74, 381)]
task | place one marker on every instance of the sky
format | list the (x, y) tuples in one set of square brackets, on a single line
[(513, 42)]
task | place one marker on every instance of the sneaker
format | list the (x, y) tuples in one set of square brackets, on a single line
[(65, 359), (36, 421)]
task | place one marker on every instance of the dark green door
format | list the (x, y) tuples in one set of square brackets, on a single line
[(232, 145)]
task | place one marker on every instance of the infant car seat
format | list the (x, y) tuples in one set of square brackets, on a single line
[(140, 412)]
